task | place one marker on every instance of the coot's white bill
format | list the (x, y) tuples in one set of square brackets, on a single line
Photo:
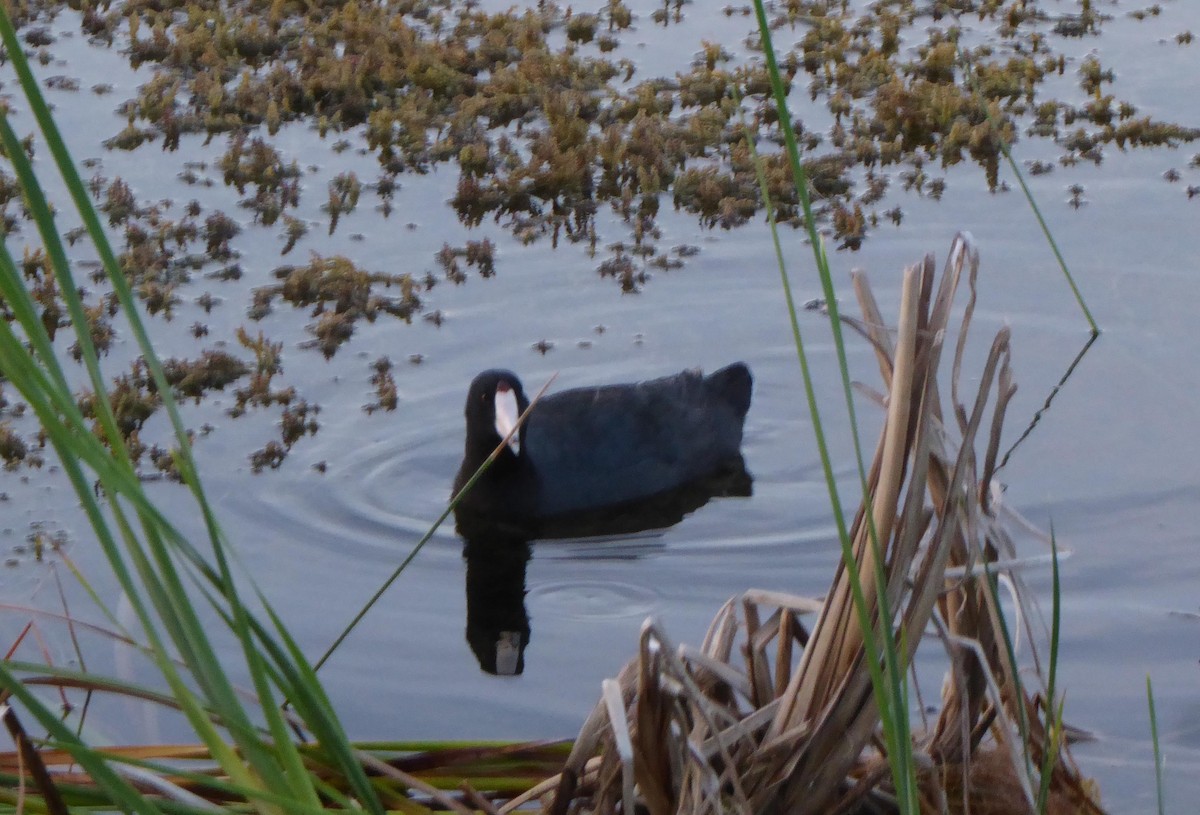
[(507, 412)]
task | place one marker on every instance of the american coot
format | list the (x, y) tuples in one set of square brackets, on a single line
[(588, 449)]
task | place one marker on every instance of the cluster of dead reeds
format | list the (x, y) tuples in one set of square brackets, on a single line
[(796, 727)]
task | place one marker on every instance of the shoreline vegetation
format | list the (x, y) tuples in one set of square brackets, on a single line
[(768, 714)]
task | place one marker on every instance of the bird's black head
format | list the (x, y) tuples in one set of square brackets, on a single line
[(494, 402)]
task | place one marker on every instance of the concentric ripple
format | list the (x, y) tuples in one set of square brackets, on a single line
[(591, 599)]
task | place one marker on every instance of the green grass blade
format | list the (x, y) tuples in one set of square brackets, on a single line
[(123, 794), (993, 587), (143, 551), (1158, 760), (1054, 708), (969, 75), (173, 606), (454, 501), (40, 210), (888, 682), (877, 673), (304, 692)]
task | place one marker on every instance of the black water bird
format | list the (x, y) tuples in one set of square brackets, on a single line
[(586, 451)]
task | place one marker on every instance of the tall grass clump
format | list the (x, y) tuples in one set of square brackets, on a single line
[(160, 572), (253, 751)]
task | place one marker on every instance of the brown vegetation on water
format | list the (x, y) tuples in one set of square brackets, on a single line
[(548, 128)]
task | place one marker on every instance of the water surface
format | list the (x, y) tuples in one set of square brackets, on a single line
[(1112, 464)]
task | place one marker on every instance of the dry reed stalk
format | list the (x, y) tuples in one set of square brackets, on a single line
[(788, 735)]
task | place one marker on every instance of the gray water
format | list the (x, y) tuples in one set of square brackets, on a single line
[(1113, 464)]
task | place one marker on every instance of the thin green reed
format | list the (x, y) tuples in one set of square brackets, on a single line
[(888, 683)]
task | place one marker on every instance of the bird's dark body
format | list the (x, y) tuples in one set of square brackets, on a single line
[(589, 448)]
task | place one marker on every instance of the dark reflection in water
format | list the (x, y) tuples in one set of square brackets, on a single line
[(497, 623), (1062, 381), (497, 554)]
